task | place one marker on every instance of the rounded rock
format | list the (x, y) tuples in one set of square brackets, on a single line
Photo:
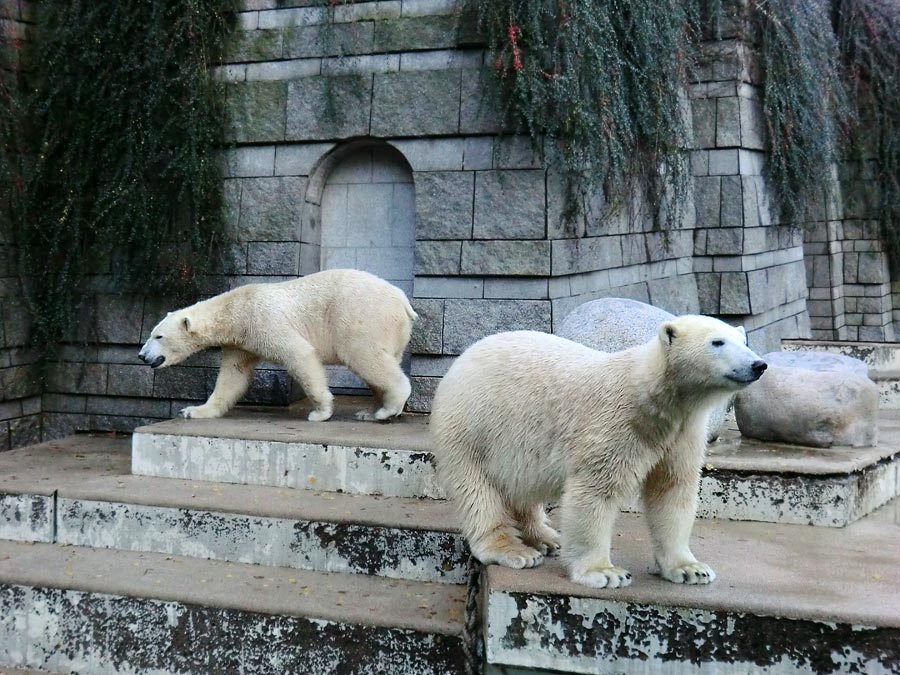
[(613, 324), (822, 362)]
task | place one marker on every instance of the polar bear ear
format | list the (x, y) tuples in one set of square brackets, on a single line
[(668, 332), (740, 329), (186, 323)]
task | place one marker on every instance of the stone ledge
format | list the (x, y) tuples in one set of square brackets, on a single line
[(215, 616)]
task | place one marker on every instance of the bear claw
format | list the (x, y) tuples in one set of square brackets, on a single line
[(602, 577), (691, 574)]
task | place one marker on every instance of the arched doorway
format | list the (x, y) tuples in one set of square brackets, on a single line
[(368, 221)]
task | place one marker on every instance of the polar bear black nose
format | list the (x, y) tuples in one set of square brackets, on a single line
[(759, 367)]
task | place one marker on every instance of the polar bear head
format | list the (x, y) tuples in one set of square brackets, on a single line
[(706, 353), (171, 341)]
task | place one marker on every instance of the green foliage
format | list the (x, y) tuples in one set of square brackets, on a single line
[(804, 100), (600, 80), (123, 121), (869, 42)]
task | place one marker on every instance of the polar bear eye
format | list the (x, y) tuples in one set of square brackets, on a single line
[(157, 337), (718, 343)]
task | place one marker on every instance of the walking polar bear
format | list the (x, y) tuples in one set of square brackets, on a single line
[(523, 418), (336, 317)]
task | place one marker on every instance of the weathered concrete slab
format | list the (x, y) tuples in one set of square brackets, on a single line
[(743, 479), (788, 599), (26, 517), (337, 546), (79, 610), (100, 504)]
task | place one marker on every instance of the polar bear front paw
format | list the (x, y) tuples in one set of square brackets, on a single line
[(602, 577), (690, 573), (199, 412), (507, 550), (319, 415)]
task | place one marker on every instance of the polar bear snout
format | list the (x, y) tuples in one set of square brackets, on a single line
[(154, 362), (749, 374), (150, 355)]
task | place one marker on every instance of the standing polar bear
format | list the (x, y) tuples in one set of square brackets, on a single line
[(336, 317), (524, 417)]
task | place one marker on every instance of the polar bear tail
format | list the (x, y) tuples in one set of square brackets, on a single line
[(409, 310)]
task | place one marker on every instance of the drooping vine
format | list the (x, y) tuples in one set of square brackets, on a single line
[(121, 124)]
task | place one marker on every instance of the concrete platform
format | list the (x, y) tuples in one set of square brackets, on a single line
[(743, 479), (788, 599), (87, 497), (73, 609)]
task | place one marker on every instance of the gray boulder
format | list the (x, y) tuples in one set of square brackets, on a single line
[(818, 361), (614, 324), (811, 407)]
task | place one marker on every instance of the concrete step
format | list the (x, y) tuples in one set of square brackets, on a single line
[(73, 609), (788, 599), (743, 479), (79, 491), (883, 359)]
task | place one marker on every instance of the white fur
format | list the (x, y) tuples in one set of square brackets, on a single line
[(336, 317), (525, 418)]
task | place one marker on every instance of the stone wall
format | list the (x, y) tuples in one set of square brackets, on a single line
[(329, 117), (20, 403), (847, 267)]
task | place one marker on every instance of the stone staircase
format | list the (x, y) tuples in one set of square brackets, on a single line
[(262, 543)]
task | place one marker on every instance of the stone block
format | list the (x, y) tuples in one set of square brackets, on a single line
[(734, 294), (423, 389), (872, 268), (700, 163), (438, 257), (634, 249), (271, 208), (395, 264), (481, 111), (510, 205), (268, 387), (428, 329), (732, 204), (442, 59), (256, 111), (367, 11), (516, 289), (299, 159), (570, 256), (448, 287), (127, 380), (512, 258), (703, 114), (416, 103), (329, 40), (444, 204), (851, 268), (181, 382), (254, 45), (708, 288), (77, 378), (810, 408), (723, 162), (433, 154), (466, 321), (478, 153), (25, 431), (677, 294), (325, 108), (119, 319), (415, 33), (131, 407), (753, 124), (750, 203), (707, 200), (728, 122), (277, 258), (724, 241), (250, 161)]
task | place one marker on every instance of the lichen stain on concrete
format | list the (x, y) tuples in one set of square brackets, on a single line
[(582, 633), (85, 632)]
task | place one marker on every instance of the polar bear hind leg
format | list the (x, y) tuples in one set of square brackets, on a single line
[(232, 382), (490, 527), (536, 530), (382, 372)]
